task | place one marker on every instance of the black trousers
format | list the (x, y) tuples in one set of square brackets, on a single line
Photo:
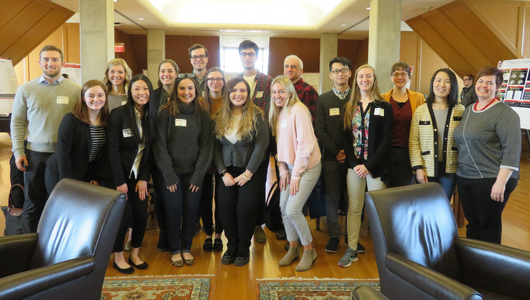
[(400, 169), (238, 206), (159, 187), (482, 213), (35, 192), (206, 207)]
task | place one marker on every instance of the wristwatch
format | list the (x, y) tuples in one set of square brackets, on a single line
[(222, 173)]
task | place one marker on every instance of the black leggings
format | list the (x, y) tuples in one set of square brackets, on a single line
[(206, 207)]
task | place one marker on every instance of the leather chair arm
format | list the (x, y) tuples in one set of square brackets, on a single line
[(496, 268), (16, 252), (365, 293), (25, 284), (429, 281)]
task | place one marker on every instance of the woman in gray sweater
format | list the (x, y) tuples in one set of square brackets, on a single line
[(489, 144), (183, 152)]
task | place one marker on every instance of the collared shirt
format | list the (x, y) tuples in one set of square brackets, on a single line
[(262, 93), (141, 147), (340, 94), (43, 80), (308, 95)]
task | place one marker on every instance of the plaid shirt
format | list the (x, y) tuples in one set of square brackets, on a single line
[(263, 90), (308, 95)]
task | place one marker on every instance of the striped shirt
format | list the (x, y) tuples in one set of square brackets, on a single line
[(97, 134)]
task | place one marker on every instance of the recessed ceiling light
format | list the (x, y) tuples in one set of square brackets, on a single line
[(115, 0), (343, 25), (368, 8), (141, 19)]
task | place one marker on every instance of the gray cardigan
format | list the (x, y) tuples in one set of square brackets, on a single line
[(247, 153)]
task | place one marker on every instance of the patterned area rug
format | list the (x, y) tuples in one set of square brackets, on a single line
[(310, 289), (156, 287)]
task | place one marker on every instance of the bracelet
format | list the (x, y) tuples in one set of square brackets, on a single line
[(247, 179)]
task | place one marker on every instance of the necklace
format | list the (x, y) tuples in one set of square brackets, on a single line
[(475, 107)]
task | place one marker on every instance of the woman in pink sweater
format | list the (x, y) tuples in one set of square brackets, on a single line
[(299, 165)]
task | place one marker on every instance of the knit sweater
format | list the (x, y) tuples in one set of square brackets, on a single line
[(42, 107), (296, 141), (184, 144), (487, 141), (329, 123), (423, 140), (116, 100)]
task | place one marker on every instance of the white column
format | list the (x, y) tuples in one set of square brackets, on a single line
[(156, 52), (328, 51)]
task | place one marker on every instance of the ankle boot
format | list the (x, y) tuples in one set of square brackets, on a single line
[(292, 254), (307, 260)]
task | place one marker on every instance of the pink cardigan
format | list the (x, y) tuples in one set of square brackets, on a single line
[(296, 141)]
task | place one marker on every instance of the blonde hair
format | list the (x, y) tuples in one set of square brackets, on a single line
[(349, 112), (247, 125), (128, 74), (292, 99)]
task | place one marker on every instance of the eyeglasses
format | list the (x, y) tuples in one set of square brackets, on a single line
[(215, 79), (245, 54), (343, 71), (400, 74), (195, 57)]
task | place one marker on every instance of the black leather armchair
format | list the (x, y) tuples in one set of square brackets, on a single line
[(420, 256), (68, 256), (365, 293)]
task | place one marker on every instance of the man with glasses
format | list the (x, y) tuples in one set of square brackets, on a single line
[(260, 84), (293, 67), (199, 59), (328, 129), (468, 95)]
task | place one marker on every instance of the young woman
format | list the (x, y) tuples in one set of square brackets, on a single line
[(117, 79), (404, 102), (433, 154), (213, 97), (81, 138), (299, 165), (240, 156), (168, 71), (183, 153), (368, 123), (130, 134), (489, 143)]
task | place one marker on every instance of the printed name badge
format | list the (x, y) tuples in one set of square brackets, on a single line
[(62, 99), (284, 124), (379, 112), (259, 94), (127, 133), (334, 111), (180, 122)]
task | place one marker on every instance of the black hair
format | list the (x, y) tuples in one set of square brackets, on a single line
[(452, 98), (149, 114), (341, 60), (246, 44)]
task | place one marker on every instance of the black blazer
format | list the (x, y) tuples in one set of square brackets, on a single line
[(380, 138), (122, 148), (71, 156)]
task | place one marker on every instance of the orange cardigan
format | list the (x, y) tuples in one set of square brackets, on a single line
[(416, 99)]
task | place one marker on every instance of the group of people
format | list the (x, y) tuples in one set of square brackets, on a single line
[(204, 140)]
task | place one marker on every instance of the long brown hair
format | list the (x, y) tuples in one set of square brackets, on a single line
[(207, 99), (349, 112), (173, 104), (80, 110)]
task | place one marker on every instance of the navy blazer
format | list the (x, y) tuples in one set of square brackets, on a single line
[(74, 142), (379, 140), (122, 148)]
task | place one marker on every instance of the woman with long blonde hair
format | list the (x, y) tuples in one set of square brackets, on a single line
[(240, 156), (368, 124), (299, 165), (117, 78)]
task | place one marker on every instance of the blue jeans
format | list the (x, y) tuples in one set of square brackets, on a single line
[(447, 181)]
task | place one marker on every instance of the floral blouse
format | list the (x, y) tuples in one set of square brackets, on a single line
[(360, 125)]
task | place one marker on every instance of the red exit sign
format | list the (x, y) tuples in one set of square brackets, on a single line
[(119, 48)]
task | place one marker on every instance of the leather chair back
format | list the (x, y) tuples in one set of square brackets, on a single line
[(79, 219), (417, 223)]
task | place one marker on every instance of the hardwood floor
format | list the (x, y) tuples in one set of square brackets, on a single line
[(230, 282)]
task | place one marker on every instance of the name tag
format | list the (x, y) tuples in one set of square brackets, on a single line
[(127, 133), (180, 122), (379, 112), (334, 111), (62, 99), (123, 102), (259, 94), (283, 124)]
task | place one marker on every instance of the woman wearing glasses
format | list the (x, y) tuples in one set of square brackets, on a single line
[(404, 102), (213, 98)]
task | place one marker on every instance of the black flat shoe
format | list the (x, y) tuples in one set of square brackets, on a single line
[(141, 266), (129, 270), (217, 245), (242, 258), (208, 245), (229, 257)]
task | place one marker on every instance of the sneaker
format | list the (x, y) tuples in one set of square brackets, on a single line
[(208, 245), (332, 245), (349, 257), (360, 248), (259, 235)]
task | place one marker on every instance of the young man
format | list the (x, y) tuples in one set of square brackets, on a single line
[(468, 94), (199, 60), (260, 84), (293, 67), (41, 104), (328, 129)]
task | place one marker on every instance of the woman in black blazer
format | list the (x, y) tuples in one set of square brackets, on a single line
[(81, 138), (368, 126), (130, 135)]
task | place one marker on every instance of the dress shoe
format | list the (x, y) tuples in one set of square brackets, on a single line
[(218, 245), (208, 245), (129, 270)]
